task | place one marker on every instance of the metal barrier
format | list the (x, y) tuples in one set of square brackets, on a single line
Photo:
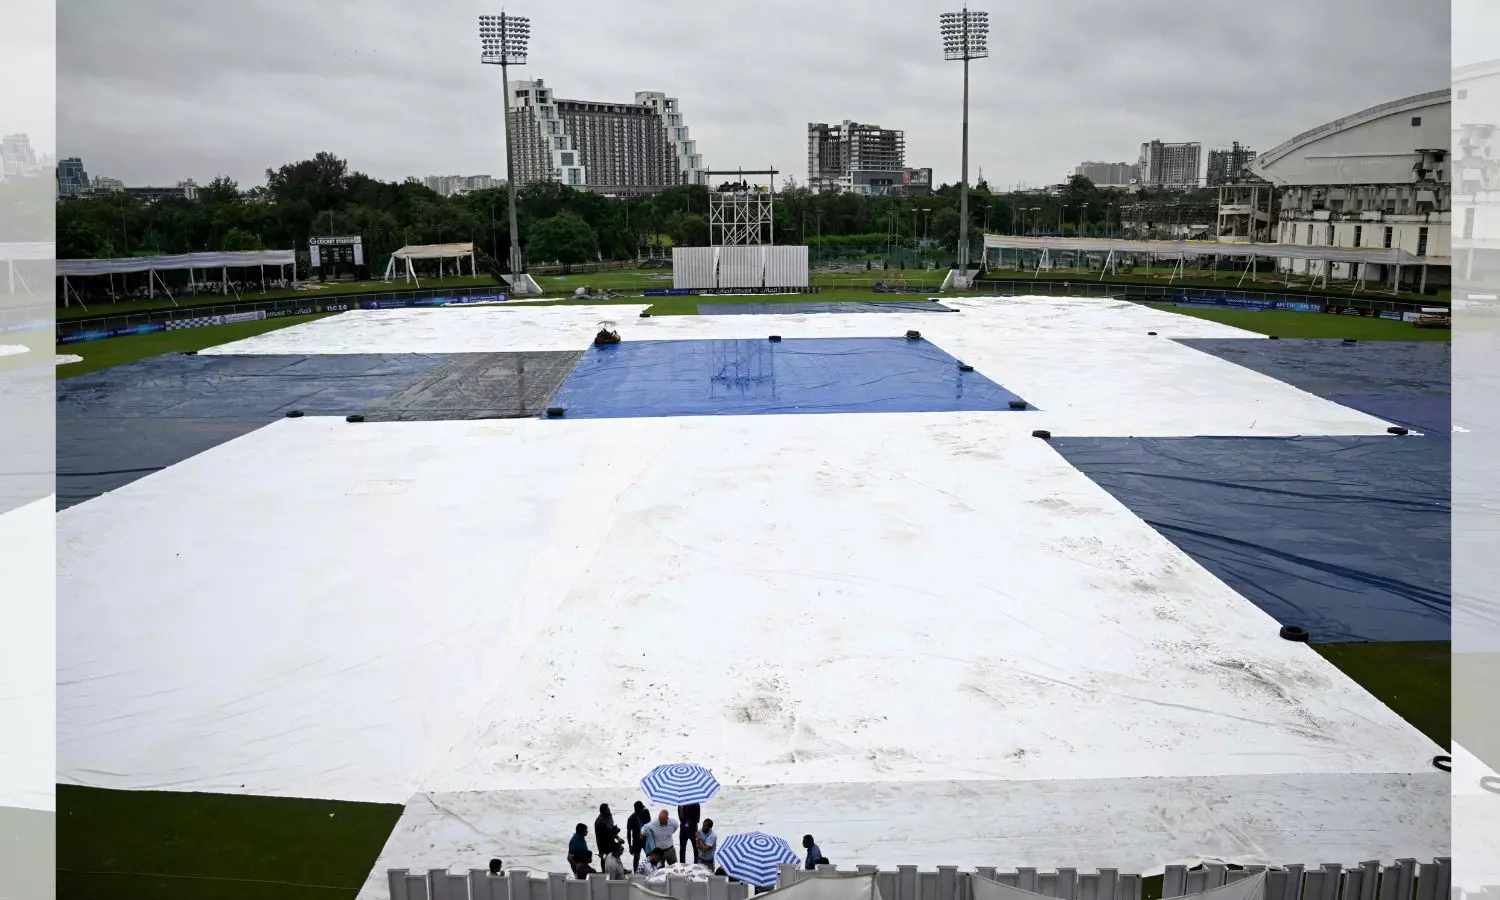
[(273, 308), (1177, 293), (1404, 880)]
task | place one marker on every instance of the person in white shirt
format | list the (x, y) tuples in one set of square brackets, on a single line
[(662, 835)]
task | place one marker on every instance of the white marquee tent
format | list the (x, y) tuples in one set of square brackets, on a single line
[(221, 260), (438, 252)]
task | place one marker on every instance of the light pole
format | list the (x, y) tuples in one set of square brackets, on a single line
[(1083, 214), (1035, 219), (502, 42), (964, 38)]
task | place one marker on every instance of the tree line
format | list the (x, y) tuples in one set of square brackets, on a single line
[(322, 196)]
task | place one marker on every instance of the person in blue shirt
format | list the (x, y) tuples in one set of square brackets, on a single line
[(579, 845), (814, 855)]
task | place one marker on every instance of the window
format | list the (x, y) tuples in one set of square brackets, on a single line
[(1359, 234), (1422, 241), (567, 158), (1388, 232), (573, 177), (1330, 234), (559, 142), (1415, 121), (1469, 223)]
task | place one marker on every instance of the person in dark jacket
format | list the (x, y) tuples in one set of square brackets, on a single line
[(633, 826), (578, 847), (606, 832), (689, 815)]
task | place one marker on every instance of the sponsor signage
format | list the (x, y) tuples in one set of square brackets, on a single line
[(1390, 315), (299, 311), (486, 298), (668, 292), (232, 318), (79, 337)]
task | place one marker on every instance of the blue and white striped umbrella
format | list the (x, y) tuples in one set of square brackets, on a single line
[(753, 857), (680, 784)]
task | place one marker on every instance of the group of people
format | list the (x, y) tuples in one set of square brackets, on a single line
[(654, 842)]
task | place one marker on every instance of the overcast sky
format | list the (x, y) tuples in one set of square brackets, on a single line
[(154, 91), (28, 65)]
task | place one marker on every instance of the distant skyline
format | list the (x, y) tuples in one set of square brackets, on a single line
[(150, 93)]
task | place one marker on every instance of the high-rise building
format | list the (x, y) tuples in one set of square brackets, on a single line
[(450, 185), (1175, 166), (1107, 174), (860, 159), (16, 156), (1229, 165), (103, 184), (608, 147), (72, 180)]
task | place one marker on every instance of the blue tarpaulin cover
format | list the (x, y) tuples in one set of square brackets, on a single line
[(741, 377), (1347, 537), (1403, 382), (797, 309), (121, 424)]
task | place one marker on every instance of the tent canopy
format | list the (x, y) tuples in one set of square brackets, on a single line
[(434, 251), (27, 250), (212, 260)]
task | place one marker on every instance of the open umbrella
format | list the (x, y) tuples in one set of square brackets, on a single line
[(752, 857), (679, 784)]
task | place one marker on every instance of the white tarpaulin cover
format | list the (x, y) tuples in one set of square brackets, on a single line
[(214, 260), (434, 251), (832, 887), (28, 696), (1043, 658)]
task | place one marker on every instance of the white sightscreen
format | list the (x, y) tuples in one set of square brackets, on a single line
[(740, 267), (786, 267), (693, 267)]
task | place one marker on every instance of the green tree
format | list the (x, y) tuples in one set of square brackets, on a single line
[(563, 238), (239, 240), (687, 229)]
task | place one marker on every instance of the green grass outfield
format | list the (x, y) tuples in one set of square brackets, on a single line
[(118, 351), (142, 845), (1289, 324), (639, 279), (151, 845)]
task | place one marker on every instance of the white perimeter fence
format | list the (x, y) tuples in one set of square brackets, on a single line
[(1406, 880), (705, 268)]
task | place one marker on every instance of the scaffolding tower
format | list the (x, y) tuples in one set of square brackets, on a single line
[(741, 214)]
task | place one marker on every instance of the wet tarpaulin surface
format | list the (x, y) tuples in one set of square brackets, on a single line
[(797, 309), (1347, 537), (479, 386), (1404, 382), (746, 377), (121, 424)]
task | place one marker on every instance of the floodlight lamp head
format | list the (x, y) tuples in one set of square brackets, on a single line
[(503, 39), (965, 34)]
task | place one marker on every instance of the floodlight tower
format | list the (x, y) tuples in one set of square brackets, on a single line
[(502, 42), (965, 36)]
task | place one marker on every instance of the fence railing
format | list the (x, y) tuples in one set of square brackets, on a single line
[(1404, 880), (22, 318), (273, 308), (1169, 294)]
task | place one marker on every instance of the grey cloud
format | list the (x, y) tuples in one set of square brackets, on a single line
[(158, 90)]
